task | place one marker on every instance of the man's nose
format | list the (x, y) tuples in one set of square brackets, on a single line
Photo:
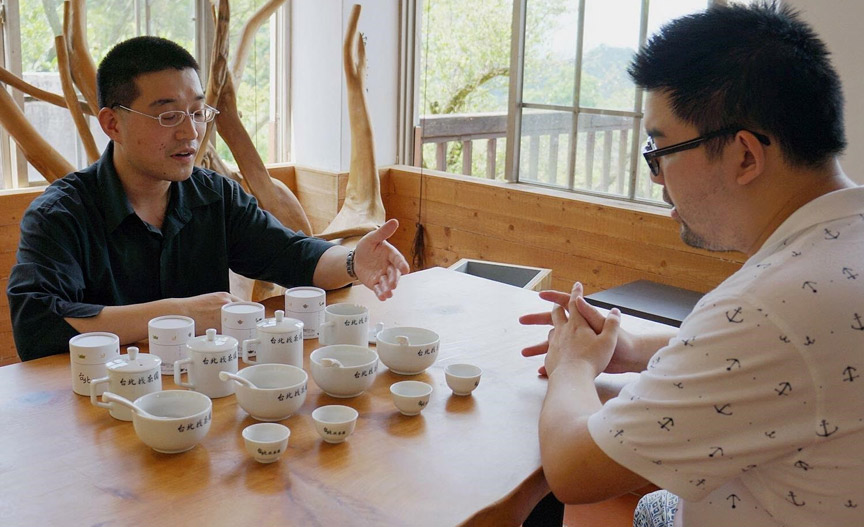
[(188, 128)]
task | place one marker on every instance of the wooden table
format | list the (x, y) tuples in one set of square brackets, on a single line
[(464, 460)]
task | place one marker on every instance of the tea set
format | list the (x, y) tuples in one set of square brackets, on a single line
[(272, 387)]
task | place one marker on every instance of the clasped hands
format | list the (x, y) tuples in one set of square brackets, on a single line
[(580, 333), (377, 264)]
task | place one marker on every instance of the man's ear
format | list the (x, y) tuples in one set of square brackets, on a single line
[(110, 123), (753, 160)]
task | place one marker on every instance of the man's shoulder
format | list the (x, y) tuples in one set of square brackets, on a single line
[(68, 194)]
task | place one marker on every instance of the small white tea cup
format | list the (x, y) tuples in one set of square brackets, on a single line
[(345, 324), (266, 442), (462, 378), (410, 397), (335, 422)]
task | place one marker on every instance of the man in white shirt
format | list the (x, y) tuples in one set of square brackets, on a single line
[(751, 413)]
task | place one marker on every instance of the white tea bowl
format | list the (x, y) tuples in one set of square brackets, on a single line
[(335, 422), (170, 421), (343, 370), (266, 442), (462, 378), (410, 397), (407, 351), (280, 390)]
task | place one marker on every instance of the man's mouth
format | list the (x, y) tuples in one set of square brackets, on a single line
[(184, 154)]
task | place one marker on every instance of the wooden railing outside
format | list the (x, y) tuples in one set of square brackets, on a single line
[(602, 159)]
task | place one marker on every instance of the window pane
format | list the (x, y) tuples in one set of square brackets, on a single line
[(611, 39), (550, 52), (464, 82), (545, 146)]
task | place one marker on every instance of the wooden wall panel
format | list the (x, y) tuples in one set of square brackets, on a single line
[(598, 243), (12, 207)]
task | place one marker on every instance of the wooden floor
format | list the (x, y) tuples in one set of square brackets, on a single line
[(617, 512)]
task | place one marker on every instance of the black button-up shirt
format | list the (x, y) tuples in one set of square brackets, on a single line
[(83, 247)]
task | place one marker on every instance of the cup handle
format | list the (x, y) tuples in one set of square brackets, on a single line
[(324, 330), (94, 398), (250, 345), (178, 364)]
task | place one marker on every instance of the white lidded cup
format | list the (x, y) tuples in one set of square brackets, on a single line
[(167, 336), (345, 324), (89, 353), (279, 341), (240, 319), (130, 376), (209, 354), (306, 304)]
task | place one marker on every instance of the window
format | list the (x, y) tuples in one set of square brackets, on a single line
[(28, 30), (574, 119)]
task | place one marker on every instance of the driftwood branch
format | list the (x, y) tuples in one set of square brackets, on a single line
[(247, 37), (72, 100), (218, 66), (83, 68), (363, 205), (36, 150), (7, 77)]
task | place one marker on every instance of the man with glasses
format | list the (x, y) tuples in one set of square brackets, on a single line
[(750, 413), (143, 233)]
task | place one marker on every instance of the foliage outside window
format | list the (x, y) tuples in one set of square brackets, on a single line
[(111, 21), (570, 82)]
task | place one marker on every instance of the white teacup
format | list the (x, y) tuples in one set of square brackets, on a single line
[(334, 423), (280, 390), (306, 304), (89, 353), (407, 351), (410, 397), (266, 442), (343, 370), (208, 355), (345, 324), (170, 421), (167, 336), (462, 378), (279, 341), (129, 376), (240, 319)]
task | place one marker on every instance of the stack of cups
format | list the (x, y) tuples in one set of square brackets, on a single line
[(306, 304), (89, 353), (168, 336)]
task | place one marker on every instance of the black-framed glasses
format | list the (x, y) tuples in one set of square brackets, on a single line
[(175, 117), (651, 153)]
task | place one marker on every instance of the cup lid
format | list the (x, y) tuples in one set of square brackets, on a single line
[(211, 342), (94, 348), (280, 324), (133, 362)]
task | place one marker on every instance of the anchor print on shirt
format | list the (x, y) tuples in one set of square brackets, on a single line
[(716, 451), (795, 500), (735, 316), (784, 389), (811, 285), (733, 498), (733, 363), (859, 324), (849, 374), (850, 274), (823, 431), (724, 410), (831, 235)]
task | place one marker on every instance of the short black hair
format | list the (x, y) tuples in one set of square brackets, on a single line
[(759, 67), (115, 78)]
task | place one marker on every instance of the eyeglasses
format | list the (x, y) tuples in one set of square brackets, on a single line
[(651, 152), (175, 117)]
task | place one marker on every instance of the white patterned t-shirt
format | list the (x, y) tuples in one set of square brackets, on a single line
[(754, 413)]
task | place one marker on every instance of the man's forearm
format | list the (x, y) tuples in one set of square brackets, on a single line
[(129, 323), (331, 271)]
